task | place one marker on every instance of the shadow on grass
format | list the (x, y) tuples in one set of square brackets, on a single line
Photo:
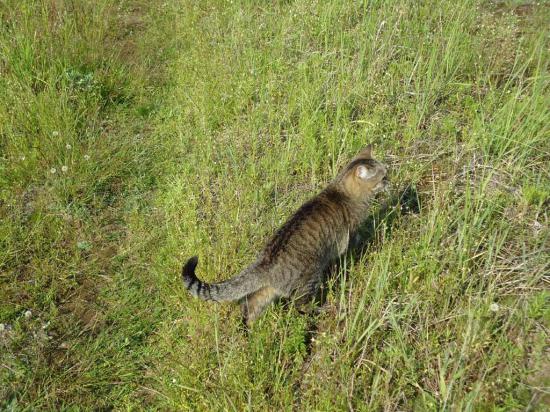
[(400, 203)]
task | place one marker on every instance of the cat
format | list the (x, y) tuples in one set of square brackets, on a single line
[(293, 262)]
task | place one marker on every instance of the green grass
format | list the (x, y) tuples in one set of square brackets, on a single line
[(197, 128)]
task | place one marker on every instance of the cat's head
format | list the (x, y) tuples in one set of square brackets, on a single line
[(364, 176)]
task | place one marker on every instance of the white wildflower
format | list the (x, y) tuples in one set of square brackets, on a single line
[(86, 157), (55, 133), (53, 170), (68, 146), (494, 307), (28, 314), (64, 168), (22, 158)]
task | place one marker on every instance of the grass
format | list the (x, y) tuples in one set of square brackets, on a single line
[(135, 134)]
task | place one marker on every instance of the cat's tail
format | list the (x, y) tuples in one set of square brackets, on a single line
[(230, 290)]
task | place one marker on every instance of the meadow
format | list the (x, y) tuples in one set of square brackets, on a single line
[(135, 134)]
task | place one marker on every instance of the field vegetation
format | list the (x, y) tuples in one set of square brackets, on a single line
[(135, 134)]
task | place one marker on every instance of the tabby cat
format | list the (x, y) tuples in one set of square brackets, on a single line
[(293, 262)]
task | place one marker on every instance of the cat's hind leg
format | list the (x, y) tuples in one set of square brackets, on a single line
[(255, 303)]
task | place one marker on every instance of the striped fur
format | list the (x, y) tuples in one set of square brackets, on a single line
[(233, 289), (294, 260)]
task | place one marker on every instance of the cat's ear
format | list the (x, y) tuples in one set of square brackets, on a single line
[(363, 173), (367, 152)]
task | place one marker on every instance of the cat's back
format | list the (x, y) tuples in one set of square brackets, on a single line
[(309, 227)]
